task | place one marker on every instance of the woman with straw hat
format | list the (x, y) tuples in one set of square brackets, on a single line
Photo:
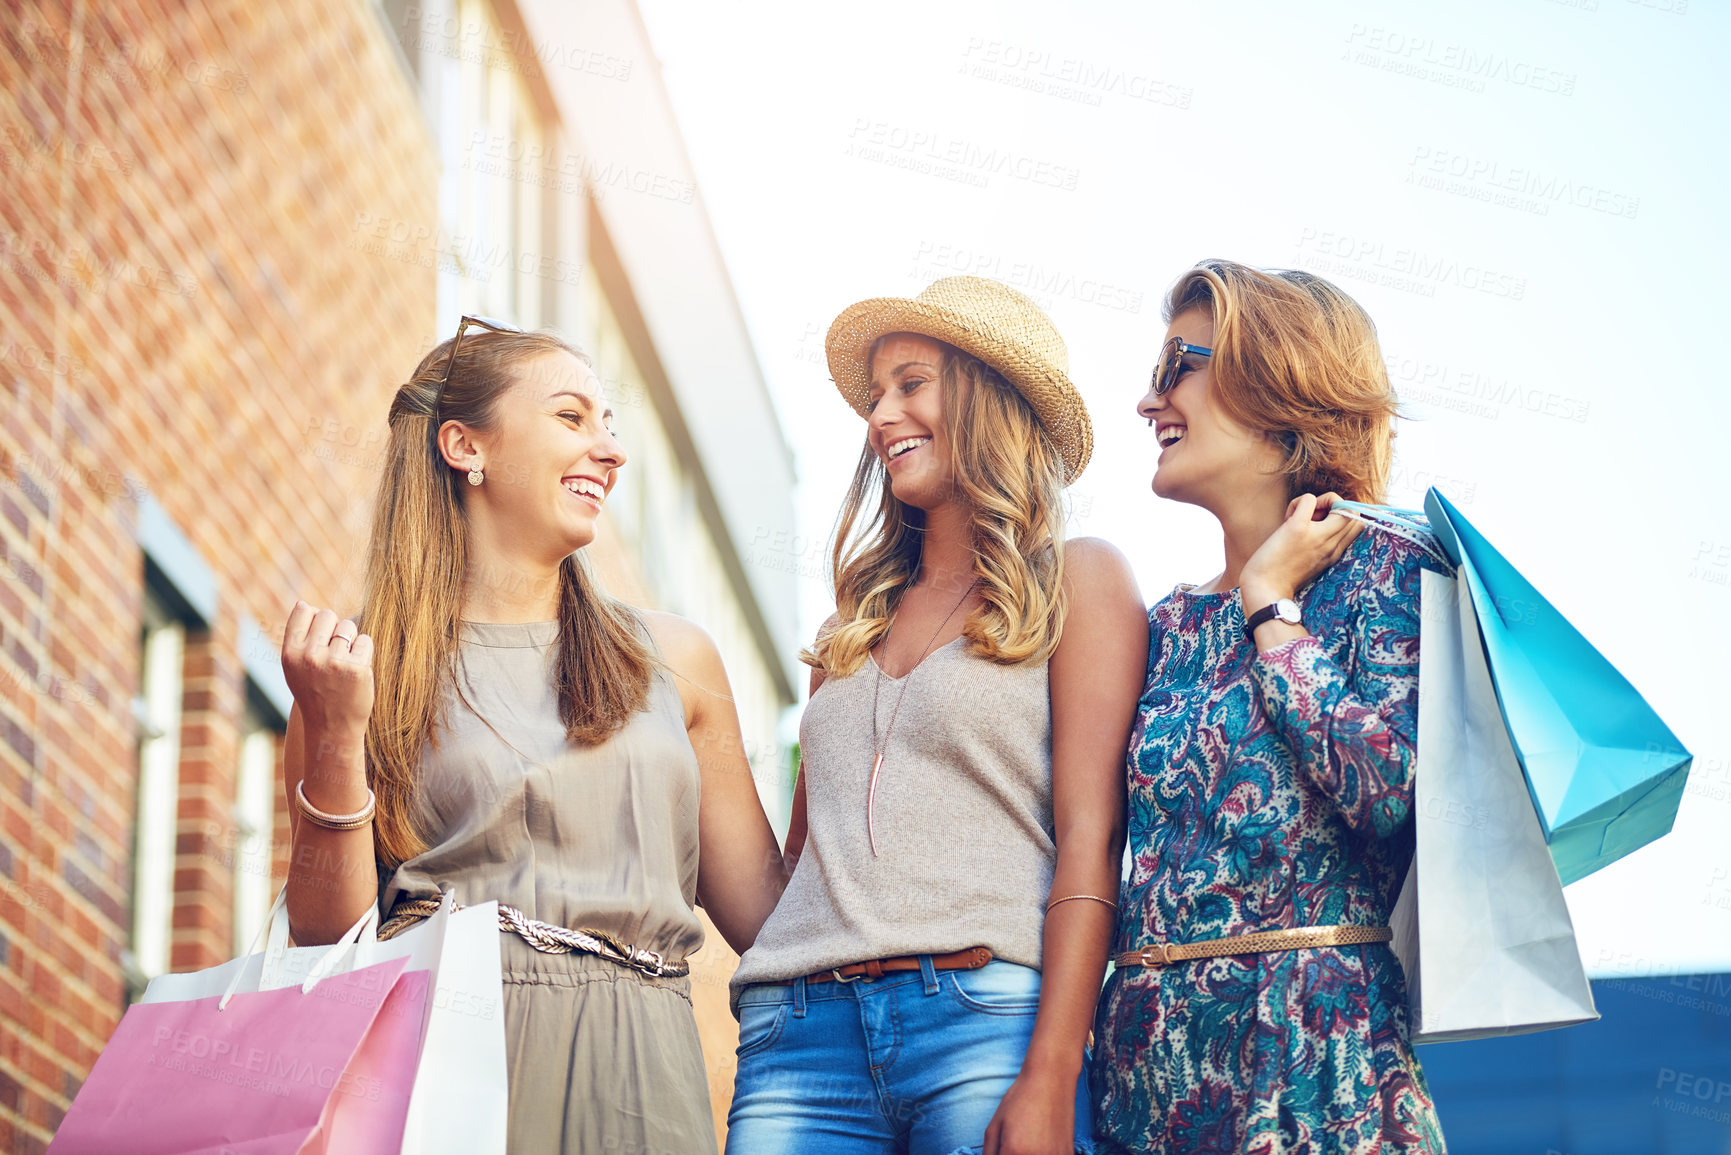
[(927, 982)]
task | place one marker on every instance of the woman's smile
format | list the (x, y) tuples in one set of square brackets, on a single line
[(902, 448), (586, 489)]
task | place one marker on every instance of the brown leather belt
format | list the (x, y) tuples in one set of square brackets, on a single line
[(971, 959), (1262, 942)]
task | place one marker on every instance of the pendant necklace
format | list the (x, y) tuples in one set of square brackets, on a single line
[(884, 744)]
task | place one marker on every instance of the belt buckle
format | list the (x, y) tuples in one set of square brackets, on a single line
[(840, 978), (1158, 955), (652, 962)]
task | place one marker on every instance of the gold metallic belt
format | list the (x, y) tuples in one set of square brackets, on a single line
[(1262, 942), (546, 938)]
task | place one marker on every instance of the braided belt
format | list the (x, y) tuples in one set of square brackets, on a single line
[(546, 938), (1262, 942)]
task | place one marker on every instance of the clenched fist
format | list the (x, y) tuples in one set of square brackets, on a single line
[(328, 663)]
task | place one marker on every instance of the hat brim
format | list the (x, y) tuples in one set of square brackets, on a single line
[(1048, 389)]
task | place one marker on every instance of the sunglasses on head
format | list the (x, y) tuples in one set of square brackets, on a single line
[(478, 322)]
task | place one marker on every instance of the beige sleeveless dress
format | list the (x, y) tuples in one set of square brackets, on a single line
[(601, 1057)]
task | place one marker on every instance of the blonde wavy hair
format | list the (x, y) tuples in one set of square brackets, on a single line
[(1298, 359), (416, 564), (1005, 467)]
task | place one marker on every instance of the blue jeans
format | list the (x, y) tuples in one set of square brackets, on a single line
[(913, 1062)]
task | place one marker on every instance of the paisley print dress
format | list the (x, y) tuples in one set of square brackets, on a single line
[(1267, 792)]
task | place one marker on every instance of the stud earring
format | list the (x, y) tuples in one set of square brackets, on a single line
[(475, 475)]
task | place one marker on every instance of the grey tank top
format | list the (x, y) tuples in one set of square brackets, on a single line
[(598, 837), (963, 820)]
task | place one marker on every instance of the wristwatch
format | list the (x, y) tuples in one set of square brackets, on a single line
[(1285, 610)]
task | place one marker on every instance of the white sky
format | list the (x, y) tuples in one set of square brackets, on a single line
[(1559, 350)]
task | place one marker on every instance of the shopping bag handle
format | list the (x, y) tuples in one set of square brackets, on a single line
[(1403, 523), (358, 938), (276, 924), (278, 913)]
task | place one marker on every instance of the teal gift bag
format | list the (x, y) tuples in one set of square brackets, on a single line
[(1605, 774)]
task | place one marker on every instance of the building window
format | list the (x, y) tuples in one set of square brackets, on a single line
[(254, 820), (493, 147), (158, 711)]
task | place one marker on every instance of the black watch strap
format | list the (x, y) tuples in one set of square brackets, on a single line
[(1268, 613)]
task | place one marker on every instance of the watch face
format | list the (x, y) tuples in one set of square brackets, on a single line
[(1287, 611)]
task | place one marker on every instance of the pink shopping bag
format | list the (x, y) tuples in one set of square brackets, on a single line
[(325, 1071)]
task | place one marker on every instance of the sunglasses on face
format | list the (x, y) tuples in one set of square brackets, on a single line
[(1171, 360), (467, 321)]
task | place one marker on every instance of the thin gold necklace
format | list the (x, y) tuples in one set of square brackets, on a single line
[(877, 763)]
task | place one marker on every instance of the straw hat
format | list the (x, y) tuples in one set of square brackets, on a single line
[(993, 322)]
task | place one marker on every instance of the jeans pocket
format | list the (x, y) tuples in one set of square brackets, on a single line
[(998, 988), (759, 1026)]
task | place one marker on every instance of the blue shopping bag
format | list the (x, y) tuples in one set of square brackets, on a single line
[(1604, 772)]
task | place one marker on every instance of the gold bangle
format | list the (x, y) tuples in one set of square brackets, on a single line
[(1072, 897), (334, 821)]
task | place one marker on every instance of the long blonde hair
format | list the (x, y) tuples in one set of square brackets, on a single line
[(416, 564), (1009, 474)]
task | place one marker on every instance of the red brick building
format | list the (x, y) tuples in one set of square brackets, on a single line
[(177, 308), (197, 349)]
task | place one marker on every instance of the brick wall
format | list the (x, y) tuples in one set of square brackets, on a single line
[(181, 313)]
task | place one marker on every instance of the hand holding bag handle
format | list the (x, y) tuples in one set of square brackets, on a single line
[(275, 931), (1403, 523)]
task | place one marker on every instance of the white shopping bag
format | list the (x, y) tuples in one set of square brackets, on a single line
[(1481, 927), (307, 964), (459, 1104)]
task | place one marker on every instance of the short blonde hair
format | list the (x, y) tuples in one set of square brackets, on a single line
[(1298, 359)]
